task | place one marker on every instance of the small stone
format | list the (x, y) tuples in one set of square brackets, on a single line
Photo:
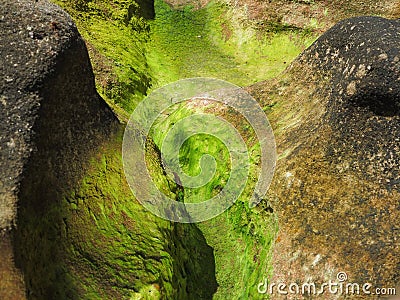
[(11, 143), (383, 56), (351, 88), (3, 100)]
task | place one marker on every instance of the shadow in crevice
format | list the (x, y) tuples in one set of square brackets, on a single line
[(386, 105), (193, 259), (193, 263)]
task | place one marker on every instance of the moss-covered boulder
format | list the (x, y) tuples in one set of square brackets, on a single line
[(52, 118), (48, 98)]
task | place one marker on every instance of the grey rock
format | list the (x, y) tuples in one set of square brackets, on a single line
[(51, 117)]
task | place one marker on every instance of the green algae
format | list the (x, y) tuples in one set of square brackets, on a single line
[(215, 41), (118, 38), (133, 55), (242, 238), (139, 255), (112, 247), (98, 242)]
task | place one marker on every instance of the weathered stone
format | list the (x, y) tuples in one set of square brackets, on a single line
[(336, 114), (52, 119), (47, 96)]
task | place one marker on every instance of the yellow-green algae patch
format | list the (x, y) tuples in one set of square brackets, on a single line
[(242, 238), (98, 242)]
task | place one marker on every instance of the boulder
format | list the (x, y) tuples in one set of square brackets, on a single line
[(52, 119), (336, 116), (50, 107)]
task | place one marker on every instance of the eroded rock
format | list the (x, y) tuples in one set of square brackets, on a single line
[(52, 119), (336, 190), (48, 99)]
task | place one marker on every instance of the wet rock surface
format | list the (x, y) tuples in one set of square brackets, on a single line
[(336, 190), (336, 117)]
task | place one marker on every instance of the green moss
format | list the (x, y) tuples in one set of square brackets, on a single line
[(98, 241), (133, 55), (122, 251), (120, 248), (117, 249), (215, 42), (118, 36), (241, 237), (123, 46)]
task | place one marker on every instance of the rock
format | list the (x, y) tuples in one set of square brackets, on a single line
[(336, 113), (50, 108), (52, 119)]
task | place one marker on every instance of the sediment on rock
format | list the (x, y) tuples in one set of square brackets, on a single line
[(336, 117)]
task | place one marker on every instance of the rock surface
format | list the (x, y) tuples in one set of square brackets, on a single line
[(335, 113), (52, 118), (77, 230), (48, 98), (336, 190)]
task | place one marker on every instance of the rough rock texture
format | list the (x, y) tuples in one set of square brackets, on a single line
[(336, 115), (11, 280), (52, 118), (48, 98), (315, 14), (77, 232)]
